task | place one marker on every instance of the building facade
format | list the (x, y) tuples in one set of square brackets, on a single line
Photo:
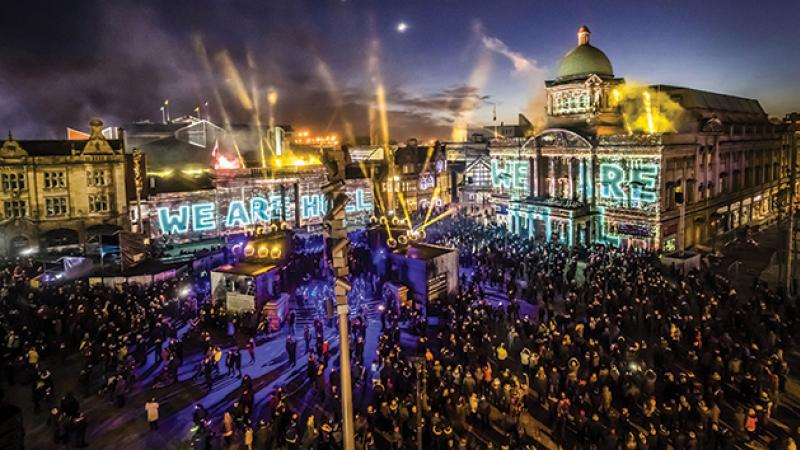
[(57, 194), (613, 156)]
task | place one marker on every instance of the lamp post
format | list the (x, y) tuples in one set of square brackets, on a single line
[(338, 244)]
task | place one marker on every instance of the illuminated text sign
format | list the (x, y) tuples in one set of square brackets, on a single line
[(510, 174), (639, 181), (199, 217)]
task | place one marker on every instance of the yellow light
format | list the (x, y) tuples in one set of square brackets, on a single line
[(249, 250), (649, 110), (263, 251), (437, 218), (162, 173), (194, 171), (275, 253)]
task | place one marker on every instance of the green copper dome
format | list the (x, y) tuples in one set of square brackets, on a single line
[(584, 60)]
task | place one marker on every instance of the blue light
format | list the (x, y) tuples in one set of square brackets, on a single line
[(237, 215), (259, 209), (203, 217), (174, 223)]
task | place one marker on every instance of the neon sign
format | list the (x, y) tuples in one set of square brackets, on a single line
[(513, 174), (199, 217), (640, 180)]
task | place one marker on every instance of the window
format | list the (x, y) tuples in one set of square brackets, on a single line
[(15, 208), (55, 180), (13, 182), (55, 206), (98, 203), (98, 178)]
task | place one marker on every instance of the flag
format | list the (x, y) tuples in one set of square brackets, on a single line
[(494, 112), (76, 135)]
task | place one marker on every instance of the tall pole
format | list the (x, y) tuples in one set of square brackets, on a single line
[(679, 200), (139, 182), (338, 243)]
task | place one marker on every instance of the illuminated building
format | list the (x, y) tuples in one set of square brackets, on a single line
[(56, 194), (613, 154), (187, 207), (421, 175)]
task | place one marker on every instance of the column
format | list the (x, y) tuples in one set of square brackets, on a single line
[(570, 237), (584, 180), (530, 225), (551, 174), (535, 165), (571, 193)]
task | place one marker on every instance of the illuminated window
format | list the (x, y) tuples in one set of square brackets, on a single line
[(55, 180), (98, 178), (98, 203), (55, 206), (15, 208), (13, 182)]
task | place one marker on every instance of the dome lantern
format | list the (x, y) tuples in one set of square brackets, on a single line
[(583, 35), (584, 60)]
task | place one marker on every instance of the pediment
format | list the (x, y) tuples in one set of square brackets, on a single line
[(97, 143), (482, 161), (559, 137), (593, 80), (11, 149)]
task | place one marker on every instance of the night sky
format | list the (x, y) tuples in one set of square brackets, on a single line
[(64, 62)]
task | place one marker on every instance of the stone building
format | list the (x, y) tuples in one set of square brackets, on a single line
[(603, 172), (57, 194)]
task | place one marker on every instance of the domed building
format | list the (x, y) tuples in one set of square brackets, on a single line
[(604, 171), (579, 98)]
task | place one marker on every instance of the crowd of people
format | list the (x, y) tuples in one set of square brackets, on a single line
[(543, 345), (113, 329)]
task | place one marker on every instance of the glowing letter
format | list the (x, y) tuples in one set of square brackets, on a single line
[(521, 175), (237, 215), (259, 209), (203, 217), (174, 224), (500, 178), (275, 201), (310, 206), (611, 178), (646, 175), (361, 204)]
